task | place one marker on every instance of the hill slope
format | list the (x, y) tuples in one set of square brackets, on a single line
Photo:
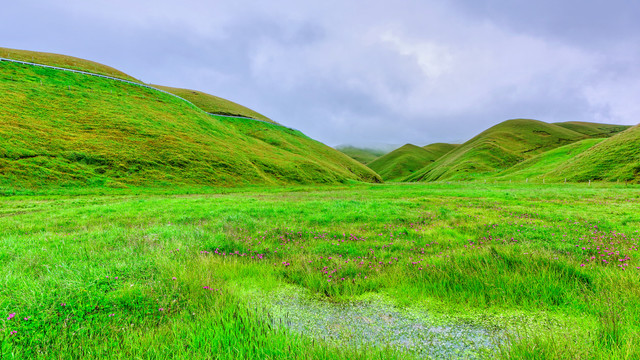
[(593, 130), (214, 104), (407, 159), (64, 61), (362, 155), (497, 149), (539, 166), (615, 158), (67, 129)]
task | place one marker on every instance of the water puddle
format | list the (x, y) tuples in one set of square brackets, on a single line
[(376, 322)]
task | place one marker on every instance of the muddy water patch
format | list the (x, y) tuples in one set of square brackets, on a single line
[(376, 322)]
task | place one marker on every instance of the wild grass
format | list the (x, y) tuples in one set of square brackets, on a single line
[(157, 276)]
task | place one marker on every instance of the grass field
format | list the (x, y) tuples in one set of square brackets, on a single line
[(537, 271)]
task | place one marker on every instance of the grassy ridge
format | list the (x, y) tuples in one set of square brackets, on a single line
[(214, 104), (362, 155), (406, 160), (496, 149), (616, 158), (67, 129), (64, 61), (593, 130)]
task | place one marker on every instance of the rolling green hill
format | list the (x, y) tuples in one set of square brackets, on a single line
[(214, 104), (67, 129), (593, 130), (497, 149), (615, 158), (64, 61), (407, 159), (539, 166), (362, 155)]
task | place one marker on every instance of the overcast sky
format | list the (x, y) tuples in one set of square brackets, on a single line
[(364, 72)]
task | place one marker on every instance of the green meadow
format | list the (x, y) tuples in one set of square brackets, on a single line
[(535, 270)]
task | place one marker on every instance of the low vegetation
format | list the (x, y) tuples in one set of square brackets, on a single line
[(547, 271)]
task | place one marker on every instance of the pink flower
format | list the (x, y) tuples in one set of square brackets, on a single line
[(11, 316), (161, 309), (14, 332)]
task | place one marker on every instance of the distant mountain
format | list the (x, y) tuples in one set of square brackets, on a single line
[(408, 159), (497, 149)]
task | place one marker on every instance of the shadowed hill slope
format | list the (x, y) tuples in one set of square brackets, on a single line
[(593, 130), (615, 158), (64, 61), (362, 155), (497, 149), (67, 129), (407, 159), (214, 104)]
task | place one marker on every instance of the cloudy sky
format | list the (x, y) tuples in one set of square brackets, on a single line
[(364, 72)]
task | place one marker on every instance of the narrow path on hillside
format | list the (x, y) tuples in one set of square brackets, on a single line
[(139, 84)]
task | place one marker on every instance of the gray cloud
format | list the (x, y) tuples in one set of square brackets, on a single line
[(364, 72)]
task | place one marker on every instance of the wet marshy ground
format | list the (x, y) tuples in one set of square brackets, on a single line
[(376, 322)]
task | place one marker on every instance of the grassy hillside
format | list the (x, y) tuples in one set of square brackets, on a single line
[(593, 130), (616, 158), (537, 167), (407, 159), (68, 129), (497, 149), (362, 155), (64, 61), (439, 149), (214, 104)]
